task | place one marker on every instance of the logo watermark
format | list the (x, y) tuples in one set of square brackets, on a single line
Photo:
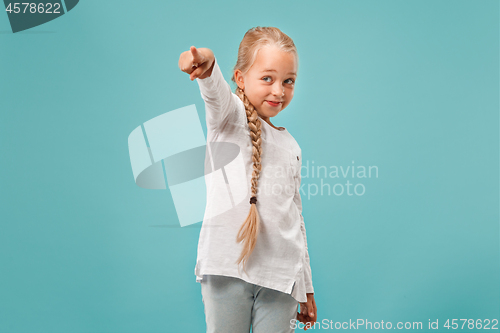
[(170, 151)]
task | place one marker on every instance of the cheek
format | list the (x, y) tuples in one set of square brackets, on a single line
[(289, 97), (262, 89), (260, 93), (254, 99)]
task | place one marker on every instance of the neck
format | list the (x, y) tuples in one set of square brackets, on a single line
[(266, 119)]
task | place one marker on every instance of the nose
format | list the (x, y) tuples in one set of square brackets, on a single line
[(278, 90)]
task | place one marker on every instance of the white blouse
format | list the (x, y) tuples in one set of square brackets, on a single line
[(280, 259)]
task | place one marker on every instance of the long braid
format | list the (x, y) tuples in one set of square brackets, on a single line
[(250, 228)]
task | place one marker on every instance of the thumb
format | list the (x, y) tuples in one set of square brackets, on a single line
[(303, 309), (196, 73)]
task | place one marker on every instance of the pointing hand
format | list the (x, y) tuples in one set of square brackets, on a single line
[(198, 63)]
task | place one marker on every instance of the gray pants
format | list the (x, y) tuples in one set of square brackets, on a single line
[(233, 305)]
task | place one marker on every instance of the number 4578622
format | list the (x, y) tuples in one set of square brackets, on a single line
[(47, 8)]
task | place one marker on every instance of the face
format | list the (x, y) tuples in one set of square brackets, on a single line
[(271, 78)]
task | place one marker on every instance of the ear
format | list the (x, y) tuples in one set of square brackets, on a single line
[(238, 76)]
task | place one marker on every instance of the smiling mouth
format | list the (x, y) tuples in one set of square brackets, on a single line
[(274, 103)]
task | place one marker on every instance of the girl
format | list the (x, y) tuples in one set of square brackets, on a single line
[(267, 239)]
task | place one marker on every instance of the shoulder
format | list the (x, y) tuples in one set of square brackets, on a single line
[(292, 139), (240, 113), (295, 147)]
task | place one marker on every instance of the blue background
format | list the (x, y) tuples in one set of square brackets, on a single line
[(408, 86)]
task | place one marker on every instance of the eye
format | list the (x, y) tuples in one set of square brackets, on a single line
[(291, 81), (266, 77)]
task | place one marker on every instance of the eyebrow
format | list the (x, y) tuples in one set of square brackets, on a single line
[(272, 70)]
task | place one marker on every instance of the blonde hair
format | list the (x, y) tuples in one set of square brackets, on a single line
[(254, 40)]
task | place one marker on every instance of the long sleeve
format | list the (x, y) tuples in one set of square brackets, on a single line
[(218, 97), (307, 267)]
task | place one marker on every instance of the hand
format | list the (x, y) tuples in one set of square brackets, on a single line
[(198, 63), (308, 312)]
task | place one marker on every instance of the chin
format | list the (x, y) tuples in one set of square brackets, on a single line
[(271, 114), (274, 111)]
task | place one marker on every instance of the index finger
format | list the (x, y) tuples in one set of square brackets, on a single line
[(197, 57)]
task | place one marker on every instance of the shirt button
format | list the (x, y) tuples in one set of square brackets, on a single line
[(297, 158)]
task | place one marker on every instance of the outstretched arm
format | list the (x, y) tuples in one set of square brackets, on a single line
[(201, 64)]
